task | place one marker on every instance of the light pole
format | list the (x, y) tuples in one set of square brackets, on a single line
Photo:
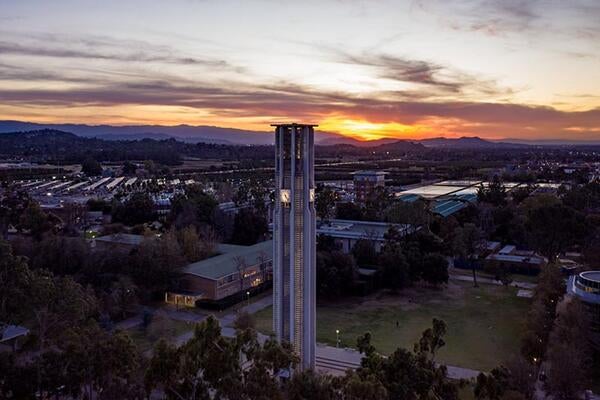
[(248, 294), (337, 338)]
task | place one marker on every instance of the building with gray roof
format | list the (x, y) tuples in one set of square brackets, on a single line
[(235, 269)]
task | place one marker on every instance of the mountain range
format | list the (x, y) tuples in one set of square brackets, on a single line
[(219, 135)]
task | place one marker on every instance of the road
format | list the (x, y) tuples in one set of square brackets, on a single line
[(317, 166)]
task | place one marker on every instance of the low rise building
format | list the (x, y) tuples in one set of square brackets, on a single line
[(120, 242), (219, 279), (514, 260), (366, 181), (346, 233)]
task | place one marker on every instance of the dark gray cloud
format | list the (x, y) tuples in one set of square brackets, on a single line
[(575, 19), (440, 80), (287, 100), (35, 50), (108, 48)]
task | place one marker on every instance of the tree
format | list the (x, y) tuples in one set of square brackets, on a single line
[(58, 303), (325, 201), (469, 242), (494, 194), (435, 269), (553, 228), (244, 320), (414, 214), (406, 375), (263, 261), (393, 268), (492, 386), (156, 262), (16, 378), (336, 273), (549, 290), (240, 266), (308, 385), (137, 209), (61, 255), (91, 167), (35, 220), (124, 296), (432, 339), (326, 243), (349, 211), (356, 388), (209, 366), (364, 252), (195, 207), (15, 280), (196, 246), (129, 168), (103, 363), (377, 201), (570, 353), (522, 376), (248, 227)]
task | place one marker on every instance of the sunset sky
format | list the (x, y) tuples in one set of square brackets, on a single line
[(368, 69)]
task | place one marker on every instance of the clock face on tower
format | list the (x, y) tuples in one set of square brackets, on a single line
[(285, 195)]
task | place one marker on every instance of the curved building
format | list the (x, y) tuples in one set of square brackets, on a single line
[(294, 241), (586, 287)]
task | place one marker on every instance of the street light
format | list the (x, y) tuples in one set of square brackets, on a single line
[(337, 338), (248, 294)]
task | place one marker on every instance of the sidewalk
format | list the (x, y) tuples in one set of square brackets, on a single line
[(336, 361), (517, 284), (129, 323), (226, 321)]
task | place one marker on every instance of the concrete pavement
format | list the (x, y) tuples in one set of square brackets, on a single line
[(481, 279)]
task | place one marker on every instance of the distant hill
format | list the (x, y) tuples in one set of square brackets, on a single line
[(184, 133), (231, 136), (467, 142), (53, 145)]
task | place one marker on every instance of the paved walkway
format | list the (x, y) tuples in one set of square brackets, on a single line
[(226, 321), (481, 279), (129, 323), (336, 361)]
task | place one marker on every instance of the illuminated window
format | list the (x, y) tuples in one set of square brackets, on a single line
[(285, 196)]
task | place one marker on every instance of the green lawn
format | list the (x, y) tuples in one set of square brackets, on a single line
[(145, 339), (484, 324)]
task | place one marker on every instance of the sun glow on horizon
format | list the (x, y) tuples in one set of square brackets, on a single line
[(366, 130)]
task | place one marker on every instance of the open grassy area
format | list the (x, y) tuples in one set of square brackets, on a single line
[(145, 339), (484, 324)]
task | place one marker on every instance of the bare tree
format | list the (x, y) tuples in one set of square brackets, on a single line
[(240, 264), (263, 259)]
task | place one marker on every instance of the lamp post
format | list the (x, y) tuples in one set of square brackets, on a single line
[(337, 338), (248, 294)]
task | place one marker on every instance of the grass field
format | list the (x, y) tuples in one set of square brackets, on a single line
[(145, 339), (484, 324)]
